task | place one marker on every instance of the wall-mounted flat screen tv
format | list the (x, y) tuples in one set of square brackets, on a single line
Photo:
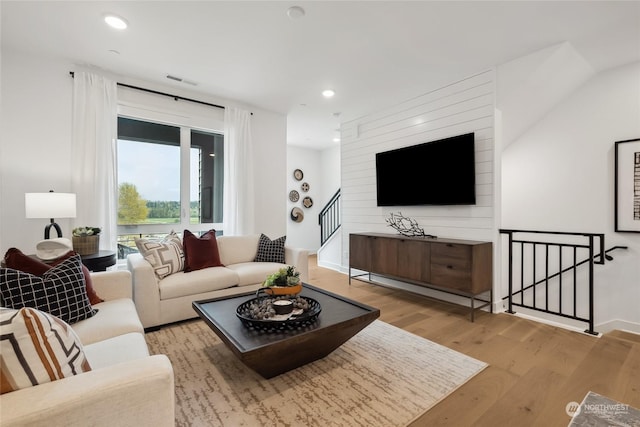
[(440, 172)]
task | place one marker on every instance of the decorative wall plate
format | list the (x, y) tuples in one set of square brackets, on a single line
[(307, 202), (305, 186), (294, 196), (297, 215), (298, 175)]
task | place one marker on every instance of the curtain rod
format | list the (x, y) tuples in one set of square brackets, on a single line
[(176, 97)]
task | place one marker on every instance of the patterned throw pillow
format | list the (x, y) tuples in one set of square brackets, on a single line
[(165, 256), (201, 252), (15, 259), (60, 291), (37, 348), (270, 250)]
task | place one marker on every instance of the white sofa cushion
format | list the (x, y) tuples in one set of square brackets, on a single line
[(250, 273), (137, 393), (196, 282), (116, 350), (237, 249), (115, 317)]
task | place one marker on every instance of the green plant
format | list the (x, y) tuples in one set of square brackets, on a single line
[(85, 231), (286, 276)]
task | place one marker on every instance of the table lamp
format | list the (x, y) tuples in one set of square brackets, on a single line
[(50, 205)]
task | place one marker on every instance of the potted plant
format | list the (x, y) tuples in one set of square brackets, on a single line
[(285, 281), (86, 240)]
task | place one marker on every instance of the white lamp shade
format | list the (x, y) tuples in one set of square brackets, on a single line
[(50, 205)]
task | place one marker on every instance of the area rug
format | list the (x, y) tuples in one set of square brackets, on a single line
[(383, 376), (601, 411)]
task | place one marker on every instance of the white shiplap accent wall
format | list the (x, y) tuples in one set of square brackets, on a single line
[(458, 108)]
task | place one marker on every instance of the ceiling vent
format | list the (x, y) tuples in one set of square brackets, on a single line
[(181, 80)]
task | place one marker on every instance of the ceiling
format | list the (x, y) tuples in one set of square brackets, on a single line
[(373, 54)]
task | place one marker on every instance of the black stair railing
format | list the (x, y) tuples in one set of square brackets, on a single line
[(329, 218), (555, 257)]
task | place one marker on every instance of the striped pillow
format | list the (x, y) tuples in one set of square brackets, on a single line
[(37, 348), (165, 256)]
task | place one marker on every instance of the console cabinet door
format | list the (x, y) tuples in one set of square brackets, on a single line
[(360, 252), (414, 258), (384, 256)]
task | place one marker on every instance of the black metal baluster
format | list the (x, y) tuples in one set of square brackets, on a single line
[(591, 255), (522, 273), (510, 310), (575, 281), (560, 279), (535, 296)]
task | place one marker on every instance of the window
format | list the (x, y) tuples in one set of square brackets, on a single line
[(169, 177)]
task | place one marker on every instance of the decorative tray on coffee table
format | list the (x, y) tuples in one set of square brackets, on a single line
[(251, 315)]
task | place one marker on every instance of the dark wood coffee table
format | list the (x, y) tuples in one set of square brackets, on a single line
[(273, 353)]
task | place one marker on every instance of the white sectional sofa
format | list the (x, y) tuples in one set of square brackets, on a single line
[(126, 386), (167, 300)]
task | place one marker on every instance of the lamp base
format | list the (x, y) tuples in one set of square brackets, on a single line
[(47, 230)]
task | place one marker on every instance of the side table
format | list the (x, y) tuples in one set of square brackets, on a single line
[(99, 261)]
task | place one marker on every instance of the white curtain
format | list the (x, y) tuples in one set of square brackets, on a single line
[(93, 152), (238, 173)]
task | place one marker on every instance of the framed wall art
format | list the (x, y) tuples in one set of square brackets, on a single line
[(627, 186)]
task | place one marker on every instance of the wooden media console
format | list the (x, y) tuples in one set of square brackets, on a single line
[(460, 267)]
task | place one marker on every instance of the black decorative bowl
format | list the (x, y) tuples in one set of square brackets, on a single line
[(301, 321)]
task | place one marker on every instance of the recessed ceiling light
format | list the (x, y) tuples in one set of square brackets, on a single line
[(336, 139), (295, 12), (328, 93), (115, 21)]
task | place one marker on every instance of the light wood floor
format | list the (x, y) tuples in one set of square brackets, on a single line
[(535, 369)]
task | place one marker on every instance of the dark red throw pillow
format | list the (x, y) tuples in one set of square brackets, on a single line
[(200, 252), (15, 259)]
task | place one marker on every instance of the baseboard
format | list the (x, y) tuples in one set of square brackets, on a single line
[(600, 328), (330, 266), (548, 319), (619, 324)]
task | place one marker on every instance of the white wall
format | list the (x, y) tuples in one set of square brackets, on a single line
[(559, 176), (304, 234), (36, 139), (322, 172), (269, 133), (460, 107), (330, 172), (36, 142)]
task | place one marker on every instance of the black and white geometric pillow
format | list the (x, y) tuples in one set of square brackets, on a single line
[(61, 291), (270, 250)]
